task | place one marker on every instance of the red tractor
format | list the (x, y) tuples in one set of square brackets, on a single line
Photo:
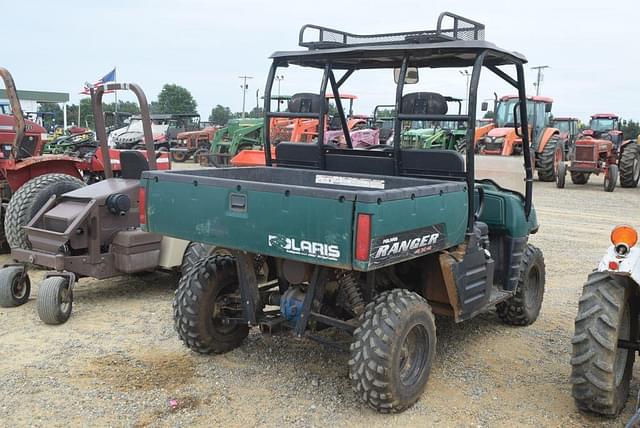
[(602, 149), (24, 169)]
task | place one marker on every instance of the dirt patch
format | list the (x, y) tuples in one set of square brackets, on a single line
[(126, 373)]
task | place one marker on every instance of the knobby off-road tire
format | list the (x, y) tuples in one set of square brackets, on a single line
[(392, 351), (630, 166), (195, 252), (600, 371), (580, 177), (55, 300), (524, 307), (548, 160), (14, 290), (28, 200), (195, 312)]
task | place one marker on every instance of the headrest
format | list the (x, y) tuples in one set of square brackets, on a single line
[(307, 103), (424, 103)]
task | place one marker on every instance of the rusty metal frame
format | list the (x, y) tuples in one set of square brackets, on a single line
[(101, 130), (16, 110)]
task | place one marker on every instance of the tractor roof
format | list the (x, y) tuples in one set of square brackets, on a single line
[(537, 98), (565, 119), (454, 43), (604, 116)]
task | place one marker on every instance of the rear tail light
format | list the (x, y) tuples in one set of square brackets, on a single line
[(142, 205), (363, 237)]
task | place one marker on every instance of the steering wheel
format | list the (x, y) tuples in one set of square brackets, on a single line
[(480, 207)]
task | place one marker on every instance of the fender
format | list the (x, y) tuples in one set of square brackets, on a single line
[(628, 266), (627, 142), (482, 131), (35, 166), (546, 136)]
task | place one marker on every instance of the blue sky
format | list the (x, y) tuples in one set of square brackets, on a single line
[(205, 45)]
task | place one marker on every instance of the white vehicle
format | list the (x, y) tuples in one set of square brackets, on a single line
[(606, 328), (131, 136)]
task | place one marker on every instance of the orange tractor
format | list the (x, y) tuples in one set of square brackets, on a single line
[(503, 139), (602, 149)]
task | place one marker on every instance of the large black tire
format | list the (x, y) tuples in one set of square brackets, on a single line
[(195, 308), (548, 160), (179, 156), (600, 371), (55, 300), (195, 252), (14, 288), (28, 200), (392, 351), (580, 177), (524, 307), (630, 166)]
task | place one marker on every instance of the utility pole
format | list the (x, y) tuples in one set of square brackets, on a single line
[(468, 76), (279, 79), (244, 87), (540, 77), (257, 102)]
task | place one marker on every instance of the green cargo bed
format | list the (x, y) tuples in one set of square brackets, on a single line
[(307, 215)]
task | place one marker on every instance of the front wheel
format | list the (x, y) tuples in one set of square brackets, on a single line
[(524, 307), (207, 307), (561, 176), (611, 178), (55, 300), (601, 371), (15, 287), (392, 351)]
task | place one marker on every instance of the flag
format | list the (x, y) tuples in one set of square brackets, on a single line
[(109, 77)]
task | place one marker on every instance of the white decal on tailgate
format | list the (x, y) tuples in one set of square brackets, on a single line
[(350, 181)]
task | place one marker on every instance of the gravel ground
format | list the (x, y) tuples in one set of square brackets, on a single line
[(118, 362)]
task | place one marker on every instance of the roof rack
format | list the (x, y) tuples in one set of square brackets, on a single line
[(450, 27)]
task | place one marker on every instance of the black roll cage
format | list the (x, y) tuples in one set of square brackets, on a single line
[(328, 78)]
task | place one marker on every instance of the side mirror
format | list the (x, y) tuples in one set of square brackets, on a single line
[(410, 78), (484, 106), (547, 107)]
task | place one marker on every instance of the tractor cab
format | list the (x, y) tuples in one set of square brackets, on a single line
[(605, 126)]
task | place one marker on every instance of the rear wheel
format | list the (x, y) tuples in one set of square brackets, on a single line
[(580, 177), (28, 200), (548, 160), (55, 300), (601, 371), (207, 296), (14, 287), (524, 307), (611, 178), (630, 166), (195, 252), (392, 351)]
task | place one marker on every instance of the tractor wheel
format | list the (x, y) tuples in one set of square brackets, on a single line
[(55, 300), (630, 166), (28, 200), (561, 176), (198, 153), (179, 156), (461, 146), (392, 351), (208, 293), (580, 177), (524, 307), (611, 178), (600, 370), (548, 160), (14, 287)]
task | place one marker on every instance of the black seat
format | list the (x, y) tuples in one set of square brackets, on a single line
[(424, 103), (305, 102), (133, 163), (297, 155), (432, 163)]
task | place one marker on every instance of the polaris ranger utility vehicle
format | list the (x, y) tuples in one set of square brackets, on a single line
[(371, 242)]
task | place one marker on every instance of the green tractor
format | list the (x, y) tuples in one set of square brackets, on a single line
[(370, 243), (448, 135), (238, 135)]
